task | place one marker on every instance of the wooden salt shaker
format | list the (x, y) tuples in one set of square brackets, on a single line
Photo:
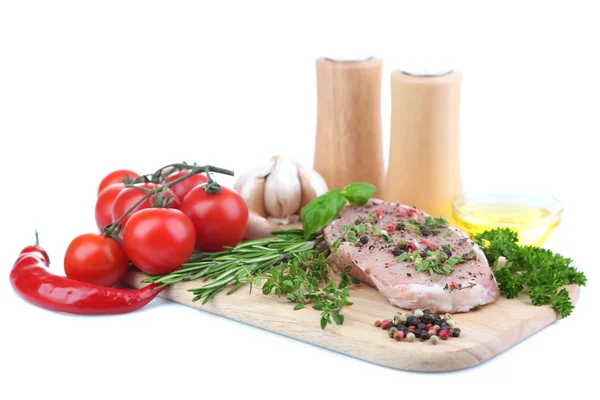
[(348, 145), (424, 162)]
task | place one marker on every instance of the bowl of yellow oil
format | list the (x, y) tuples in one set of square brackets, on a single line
[(532, 215)]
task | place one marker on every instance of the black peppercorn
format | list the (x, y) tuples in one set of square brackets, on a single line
[(455, 332), (421, 326), (364, 239), (400, 227), (424, 335), (424, 231), (448, 252), (412, 320), (444, 325), (417, 332), (437, 320), (396, 251), (423, 253), (357, 222), (426, 318)]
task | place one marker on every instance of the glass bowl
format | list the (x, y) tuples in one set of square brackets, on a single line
[(533, 215)]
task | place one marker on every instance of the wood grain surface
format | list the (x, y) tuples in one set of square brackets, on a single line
[(485, 332)]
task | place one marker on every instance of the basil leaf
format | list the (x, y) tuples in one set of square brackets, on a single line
[(321, 211), (359, 193)]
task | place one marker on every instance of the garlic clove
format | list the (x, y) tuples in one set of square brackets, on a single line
[(258, 227), (282, 189), (251, 186), (312, 185)]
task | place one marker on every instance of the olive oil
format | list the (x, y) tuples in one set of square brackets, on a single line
[(532, 223)]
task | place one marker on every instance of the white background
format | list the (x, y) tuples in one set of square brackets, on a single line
[(89, 87)]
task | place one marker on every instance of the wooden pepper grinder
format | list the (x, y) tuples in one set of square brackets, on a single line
[(348, 145), (424, 162)]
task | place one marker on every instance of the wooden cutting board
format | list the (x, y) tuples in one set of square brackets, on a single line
[(485, 332)]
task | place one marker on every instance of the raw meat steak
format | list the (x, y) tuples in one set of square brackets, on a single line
[(390, 262)]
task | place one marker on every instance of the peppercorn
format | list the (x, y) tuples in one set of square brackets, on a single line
[(400, 227), (447, 316), (357, 222), (412, 320), (445, 325), (392, 330), (437, 320), (432, 331), (418, 313), (421, 326), (410, 247), (377, 323), (400, 318), (385, 323), (434, 340), (364, 239), (411, 328), (423, 253), (437, 327), (426, 318), (455, 332), (451, 323), (424, 335), (404, 329), (417, 332), (444, 334), (396, 251), (424, 231), (399, 335), (448, 252), (410, 337)]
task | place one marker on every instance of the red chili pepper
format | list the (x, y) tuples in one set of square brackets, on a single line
[(36, 284), (426, 243)]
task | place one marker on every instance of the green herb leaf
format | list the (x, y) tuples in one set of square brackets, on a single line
[(321, 211), (299, 306), (359, 193), (540, 270)]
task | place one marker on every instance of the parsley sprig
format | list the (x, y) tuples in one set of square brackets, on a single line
[(541, 271)]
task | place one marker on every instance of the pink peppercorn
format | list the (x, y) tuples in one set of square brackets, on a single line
[(401, 212), (378, 212), (411, 328), (444, 334), (426, 243), (453, 285), (377, 323), (410, 247), (389, 227), (385, 323), (398, 335), (412, 213)]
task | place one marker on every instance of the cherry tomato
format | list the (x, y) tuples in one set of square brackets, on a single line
[(116, 177), (129, 196), (182, 188), (220, 219), (159, 240), (96, 259), (105, 202)]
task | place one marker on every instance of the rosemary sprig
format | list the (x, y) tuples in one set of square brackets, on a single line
[(293, 263)]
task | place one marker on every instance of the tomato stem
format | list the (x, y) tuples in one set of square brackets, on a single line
[(211, 186), (194, 169), (37, 238)]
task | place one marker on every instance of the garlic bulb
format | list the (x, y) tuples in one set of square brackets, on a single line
[(278, 190)]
